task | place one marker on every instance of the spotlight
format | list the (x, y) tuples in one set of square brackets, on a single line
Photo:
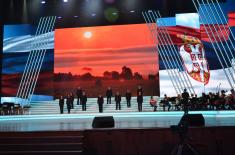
[(65, 1), (59, 17), (111, 14), (75, 16), (43, 2), (93, 14), (132, 11)]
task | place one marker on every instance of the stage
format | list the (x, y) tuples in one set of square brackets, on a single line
[(131, 120)]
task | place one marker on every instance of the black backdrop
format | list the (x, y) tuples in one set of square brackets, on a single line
[(29, 11)]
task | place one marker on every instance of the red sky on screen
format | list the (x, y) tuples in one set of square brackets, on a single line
[(105, 48), (231, 19)]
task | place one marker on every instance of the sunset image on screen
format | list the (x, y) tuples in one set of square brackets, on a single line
[(121, 57)]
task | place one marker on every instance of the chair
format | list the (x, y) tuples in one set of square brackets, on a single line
[(5, 110), (17, 109), (1, 109), (11, 108)]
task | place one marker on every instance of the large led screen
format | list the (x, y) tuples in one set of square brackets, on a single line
[(17, 44), (95, 58), (182, 28)]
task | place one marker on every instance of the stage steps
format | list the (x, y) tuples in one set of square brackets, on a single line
[(56, 143), (52, 107)]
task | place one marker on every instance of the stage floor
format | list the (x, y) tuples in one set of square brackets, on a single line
[(134, 120)]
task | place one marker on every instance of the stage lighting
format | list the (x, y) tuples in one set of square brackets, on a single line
[(65, 1), (129, 5), (43, 2), (111, 14), (132, 11), (75, 16), (92, 8), (59, 17)]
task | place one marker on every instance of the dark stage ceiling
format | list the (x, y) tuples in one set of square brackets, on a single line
[(76, 13)]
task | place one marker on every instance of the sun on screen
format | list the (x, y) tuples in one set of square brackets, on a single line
[(87, 34)]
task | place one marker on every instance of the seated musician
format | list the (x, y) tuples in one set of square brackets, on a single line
[(217, 101), (222, 99), (203, 102), (153, 103), (233, 94), (211, 101), (178, 102), (232, 99), (166, 103), (229, 102)]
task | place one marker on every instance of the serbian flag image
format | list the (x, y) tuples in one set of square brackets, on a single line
[(193, 56)]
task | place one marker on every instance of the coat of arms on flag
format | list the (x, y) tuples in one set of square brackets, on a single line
[(193, 55)]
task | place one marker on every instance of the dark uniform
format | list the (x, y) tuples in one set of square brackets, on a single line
[(68, 102), (100, 102), (109, 94), (128, 99), (72, 101), (61, 104), (185, 98), (140, 101), (79, 94), (83, 102), (118, 101), (140, 90)]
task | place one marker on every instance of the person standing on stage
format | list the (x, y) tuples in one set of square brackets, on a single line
[(61, 104), (72, 100), (109, 94), (79, 94), (139, 89), (100, 102), (185, 98), (118, 101), (128, 98), (83, 100), (140, 101), (68, 103)]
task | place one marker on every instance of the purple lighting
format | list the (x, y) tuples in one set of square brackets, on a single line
[(109, 1)]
